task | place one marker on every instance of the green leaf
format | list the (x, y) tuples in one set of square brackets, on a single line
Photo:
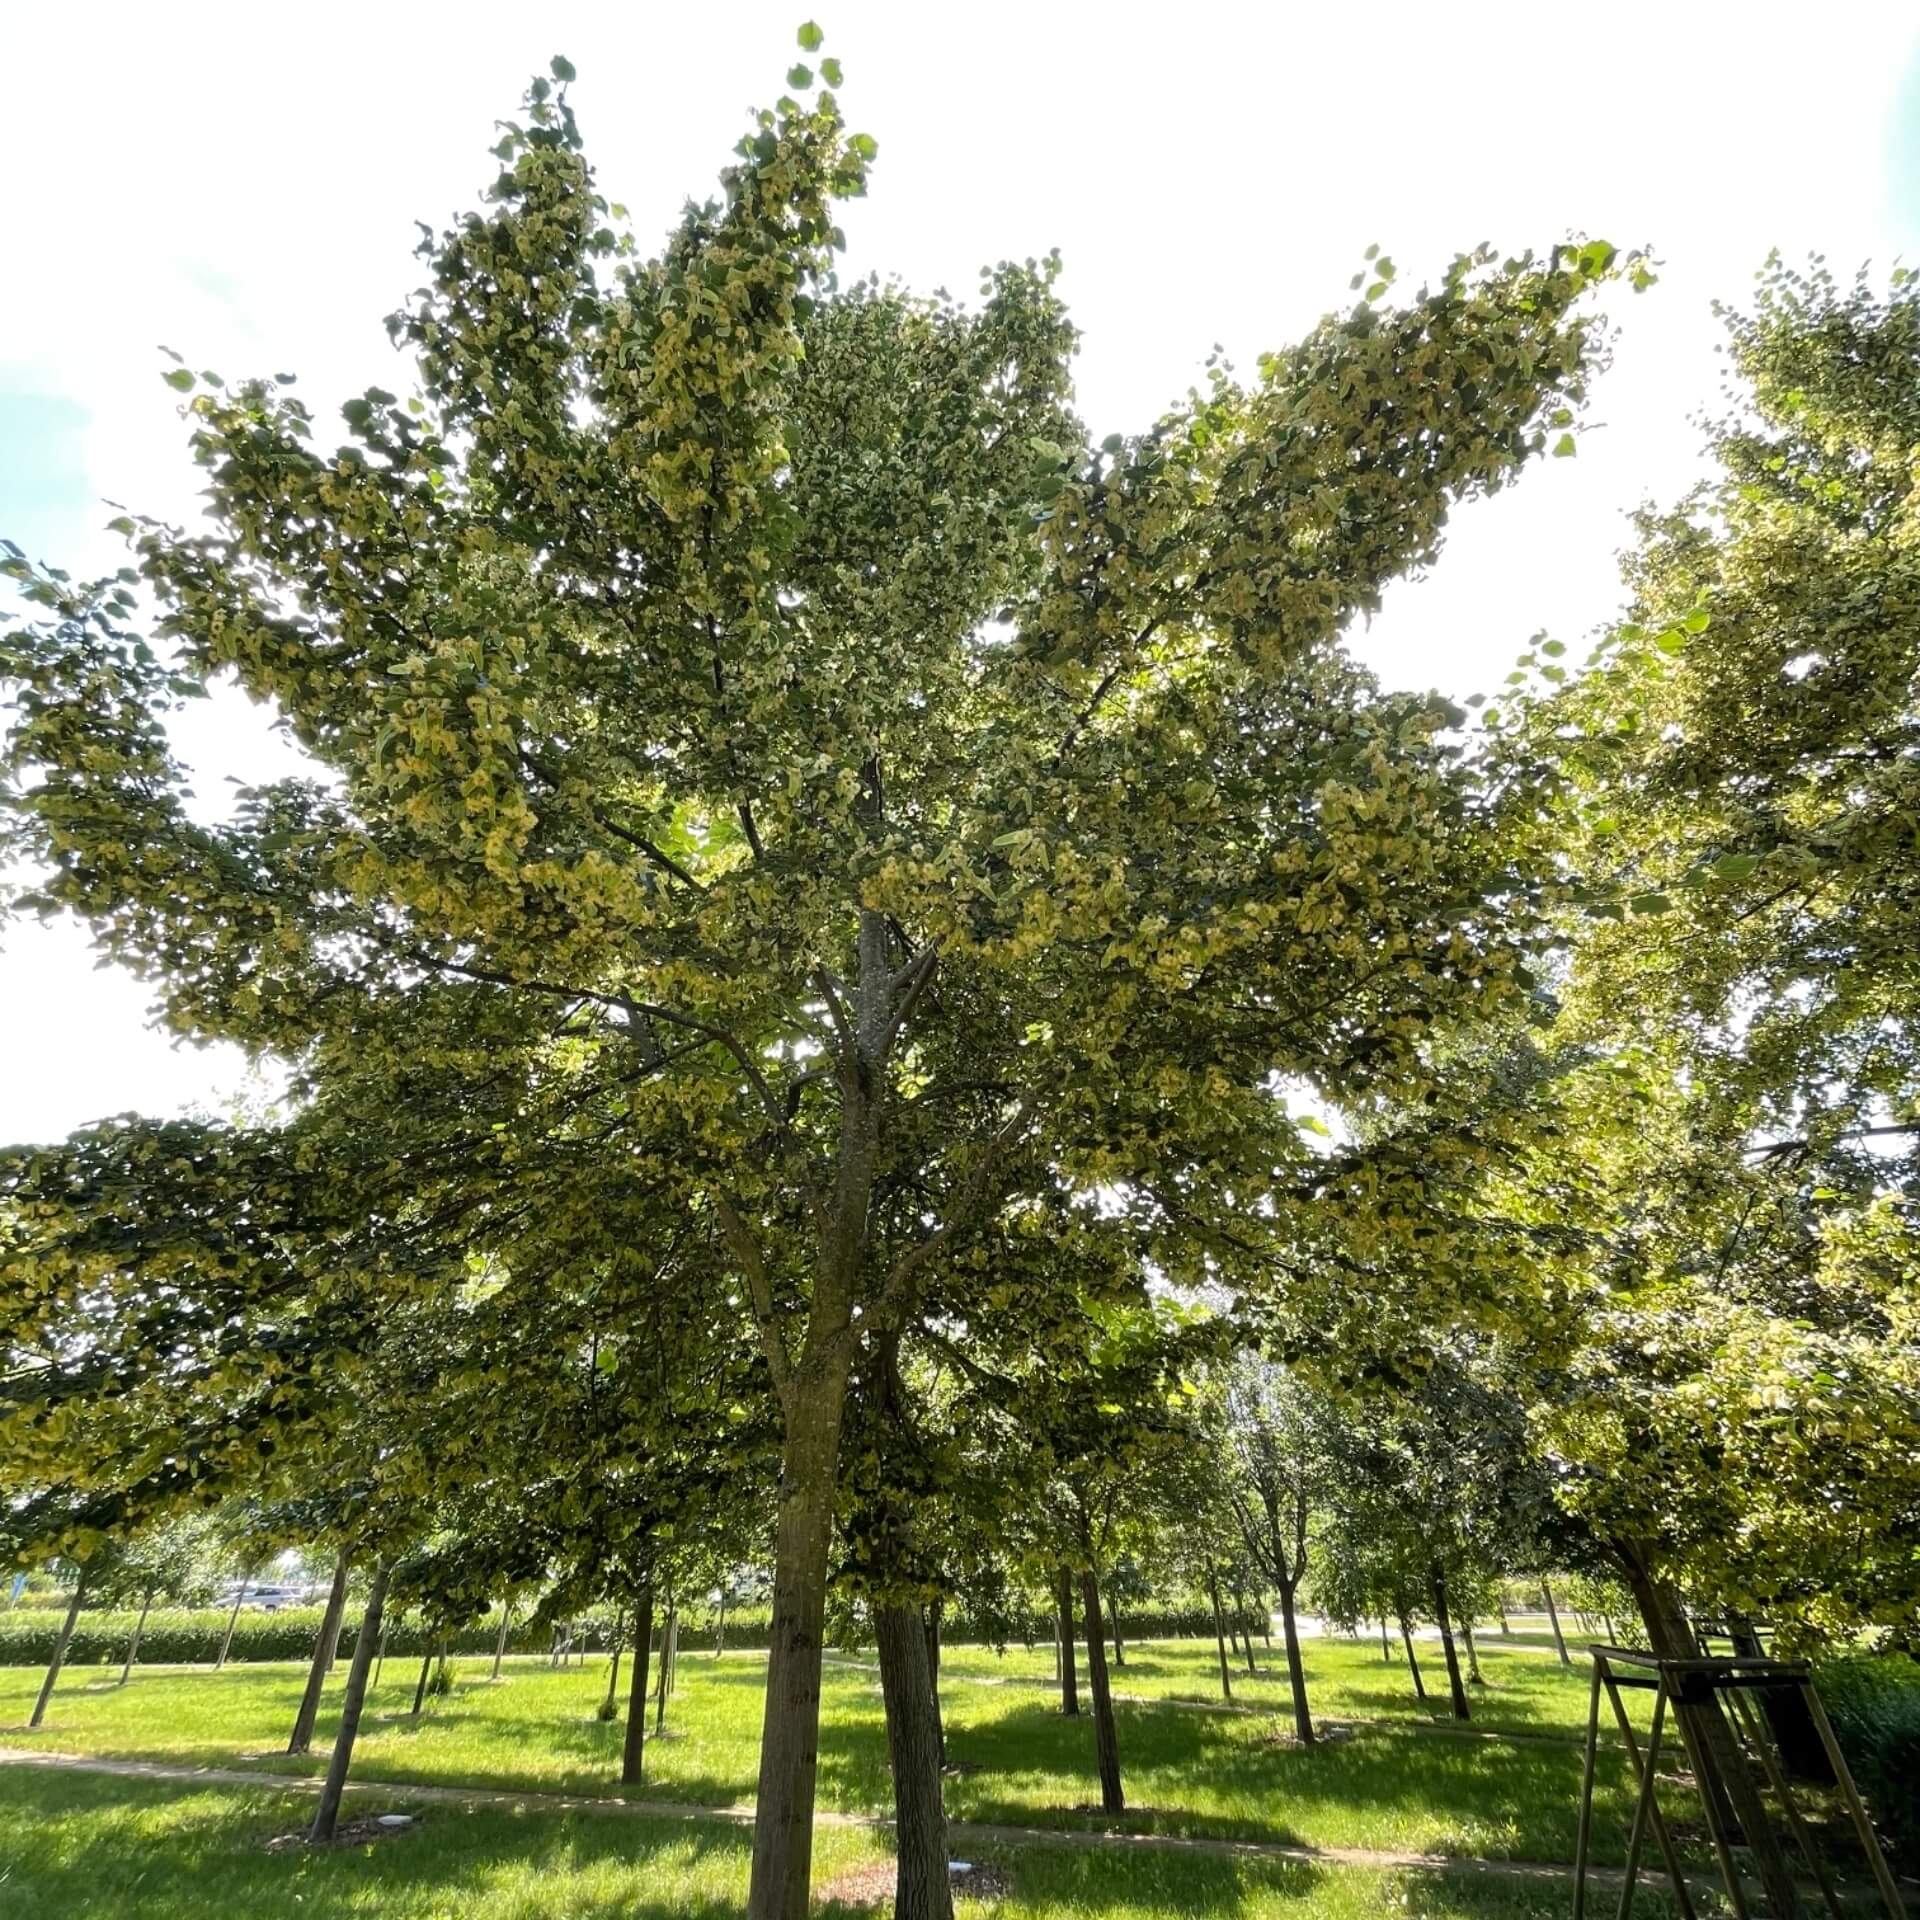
[(179, 379), (864, 144), (810, 37), (1650, 903), (1553, 648), (799, 75), (1672, 641), (562, 68), (1564, 448), (1697, 621), (831, 71)]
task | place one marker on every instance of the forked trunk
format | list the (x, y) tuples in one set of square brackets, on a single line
[(139, 1627), (330, 1624), (1069, 1671), (328, 1812), (1219, 1634), (789, 1758), (921, 1888), (1413, 1659), (1296, 1668), (1553, 1620), (633, 1758), (1437, 1587), (1106, 1737), (59, 1659)]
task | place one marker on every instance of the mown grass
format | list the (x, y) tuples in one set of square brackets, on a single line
[(76, 1847), (1396, 1785)]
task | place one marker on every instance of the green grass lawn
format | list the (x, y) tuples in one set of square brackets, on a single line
[(74, 1847), (1394, 1786)]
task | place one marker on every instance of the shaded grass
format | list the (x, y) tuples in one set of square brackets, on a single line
[(84, 1848), (1393, 1787)]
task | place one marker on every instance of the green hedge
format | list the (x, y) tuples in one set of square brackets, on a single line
[(187, 1636), (1875, 1708)]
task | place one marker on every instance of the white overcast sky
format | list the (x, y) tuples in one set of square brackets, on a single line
[(241, 183)]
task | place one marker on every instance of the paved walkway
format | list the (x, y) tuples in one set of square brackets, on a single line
[(964, 1834)]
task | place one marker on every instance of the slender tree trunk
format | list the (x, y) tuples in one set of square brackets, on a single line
[(666, 1669), (1413, 1659), (633, 1759), (613, 1680), (1219, 1634), (1473, 1654), (673, 1648), (330, 1624), (1296, 1667), (379, 1665), (814, 1404), (1106, 1737), (933, 1677), (921, 1885), (1113, 1619), (1553, 1620), (1386, 1646), (59, 1659), (1266, 1624), (371, 1633), (1246, 1628), (139, 1627), (500, 1638), (420, 1691), (1725, 1778), (720, 1629), (1501, 1604), (1437, 1587), (226, 1639), (1069, 1671)]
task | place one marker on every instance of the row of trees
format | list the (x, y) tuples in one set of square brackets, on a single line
[(834, 912)]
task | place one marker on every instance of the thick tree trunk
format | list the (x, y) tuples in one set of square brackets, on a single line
[(1246, 1630), (420, 1691), (1413, 1659), (226, 1639), (328, 1812), (1069, 1670), (1219, 1635), (1296, 1667), (1553, 1620), (1106, 1737), (330, 1624), (633, 1759), (1726, 1780), (921, 1888), (59, 1659), (815, 1400), (500, 1638), (139, 1627), (1473, 1654), (1437, 1587)]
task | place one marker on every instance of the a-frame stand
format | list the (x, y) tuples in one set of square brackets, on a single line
[(1684, 1685)]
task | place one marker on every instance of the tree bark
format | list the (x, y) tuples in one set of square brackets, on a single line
[(420, 1691), (1788, 1718), (814, 1403), (500, 1639), (139, 1627), (330, 1624), (1106, 1737), (1473, 1654), (59, 1659), (613, 1675), (1296, 1667), (328, 1812), (921, 1884), (1219, 1634), (1437, 1587), (1246, 1629), (1113, 1620), (1726, 1780), (1553, 1620), (1069, 1671), (666, 1671), (226, 1639), (1413, 1659), (380, 1664), (633, 1759)]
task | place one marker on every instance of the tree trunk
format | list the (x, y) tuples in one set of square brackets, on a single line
[(1788, 1718), (921, 1887), (226, 1639), (1553, 1620), (1473, 1654), (1069, 1671), (1386, 1646), (1113, 1620), (330, 1624), (1219, 1634), (1437, 1587), (1501, 1606), (60, 1648), (666, 1670), (139, 1627), (420, 1691), (673, 1648), (1413, 1659), (371, 1632), (1726, 1780), (1106, 1737), (720, 1629), (933, 1677), (633, 1759), (1246, 1630), (1296, 1669), (500, 1638), (814, 1403), (379, 1665)]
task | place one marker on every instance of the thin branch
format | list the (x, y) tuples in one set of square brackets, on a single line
[(746, 1249)]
